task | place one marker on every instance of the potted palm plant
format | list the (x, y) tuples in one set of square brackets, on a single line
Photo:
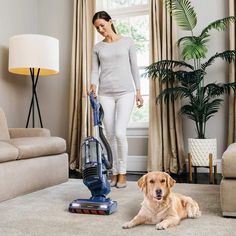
[(186, 78)]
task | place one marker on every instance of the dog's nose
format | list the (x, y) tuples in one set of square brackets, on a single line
[(158, 192)]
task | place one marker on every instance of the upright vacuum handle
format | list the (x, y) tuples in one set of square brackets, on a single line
[(95, 106), (98, 115)]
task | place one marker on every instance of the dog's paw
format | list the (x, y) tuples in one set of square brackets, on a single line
[(127, 225), (194, 212), (161, 226)]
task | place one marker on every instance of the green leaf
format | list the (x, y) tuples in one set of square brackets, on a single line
[(193, 47), (173, 93), (220, 25), (188, 111), (162, 68), (194, 51), (212, 108), (227, 56), (183, 13), (190, 79), (218, 89)]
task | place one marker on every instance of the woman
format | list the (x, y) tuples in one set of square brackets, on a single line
[(115, 75)]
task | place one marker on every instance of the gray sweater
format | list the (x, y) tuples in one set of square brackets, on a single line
[(114, 67)]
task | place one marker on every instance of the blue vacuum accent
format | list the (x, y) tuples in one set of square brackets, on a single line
[(95, 169)]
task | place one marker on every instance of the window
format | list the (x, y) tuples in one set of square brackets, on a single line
[(131, 18)]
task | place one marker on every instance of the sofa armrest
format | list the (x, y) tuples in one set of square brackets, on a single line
[(28, 132)]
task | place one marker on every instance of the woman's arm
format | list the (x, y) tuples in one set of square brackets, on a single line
[(95, 73), (135, 74)]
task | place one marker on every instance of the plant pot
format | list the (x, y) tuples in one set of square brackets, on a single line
[(200, 150)]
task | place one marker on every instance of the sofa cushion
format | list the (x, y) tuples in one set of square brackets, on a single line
[(38, 146), (28, 132), (4, 134), (8, 152), (229, 162), (227, 197)]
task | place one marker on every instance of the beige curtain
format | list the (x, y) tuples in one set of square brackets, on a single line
[(79, 108), (232, 78), (165, 145)]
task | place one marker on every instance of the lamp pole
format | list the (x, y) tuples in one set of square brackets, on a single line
[(34, 98)]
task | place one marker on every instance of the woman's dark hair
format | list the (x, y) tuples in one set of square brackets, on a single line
[(103, 15)]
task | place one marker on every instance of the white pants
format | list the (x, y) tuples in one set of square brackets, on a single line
[(117, 111)]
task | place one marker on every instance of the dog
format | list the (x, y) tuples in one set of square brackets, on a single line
[(161, 206)]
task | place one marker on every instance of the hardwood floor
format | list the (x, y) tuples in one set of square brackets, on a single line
[(201, 178)]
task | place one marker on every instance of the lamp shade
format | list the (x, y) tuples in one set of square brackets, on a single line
[(33, 51)]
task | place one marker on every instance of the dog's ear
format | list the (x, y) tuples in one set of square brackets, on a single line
[(142, 182), (170, 181)]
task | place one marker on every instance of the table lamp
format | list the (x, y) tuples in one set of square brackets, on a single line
[(35, 55)]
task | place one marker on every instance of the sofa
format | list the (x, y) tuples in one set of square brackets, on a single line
[(30, 160), (228, 182)]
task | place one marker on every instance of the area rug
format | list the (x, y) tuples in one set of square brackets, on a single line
[(44, 213)]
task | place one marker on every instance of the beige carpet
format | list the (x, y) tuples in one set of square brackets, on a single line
[(45, 213)]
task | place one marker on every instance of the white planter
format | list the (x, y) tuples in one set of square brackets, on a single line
[(200, 150)]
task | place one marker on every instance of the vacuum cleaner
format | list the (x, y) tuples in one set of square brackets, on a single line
[(95, 169)]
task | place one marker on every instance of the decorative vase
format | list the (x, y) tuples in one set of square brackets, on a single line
[(200, 150)]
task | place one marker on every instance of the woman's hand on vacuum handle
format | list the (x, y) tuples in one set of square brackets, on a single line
[(139, 99), (93, 89)]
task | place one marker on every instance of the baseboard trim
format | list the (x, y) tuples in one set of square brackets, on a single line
[(230, 214), (137, 163)]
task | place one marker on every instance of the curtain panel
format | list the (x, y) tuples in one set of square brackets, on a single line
[(165, 143), (232, 78), (80, 125)]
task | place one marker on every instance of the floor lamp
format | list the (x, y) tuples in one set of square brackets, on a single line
[(35, 55)]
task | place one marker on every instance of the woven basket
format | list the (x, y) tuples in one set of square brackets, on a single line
[(200, 150)]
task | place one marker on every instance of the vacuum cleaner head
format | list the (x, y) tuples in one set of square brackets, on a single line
[(96, 206)]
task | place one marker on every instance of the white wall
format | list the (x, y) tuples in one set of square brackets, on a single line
[(16, 17), (49, 17), (55, 18)]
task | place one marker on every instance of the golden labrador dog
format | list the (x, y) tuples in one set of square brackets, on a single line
[(161, 206)]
